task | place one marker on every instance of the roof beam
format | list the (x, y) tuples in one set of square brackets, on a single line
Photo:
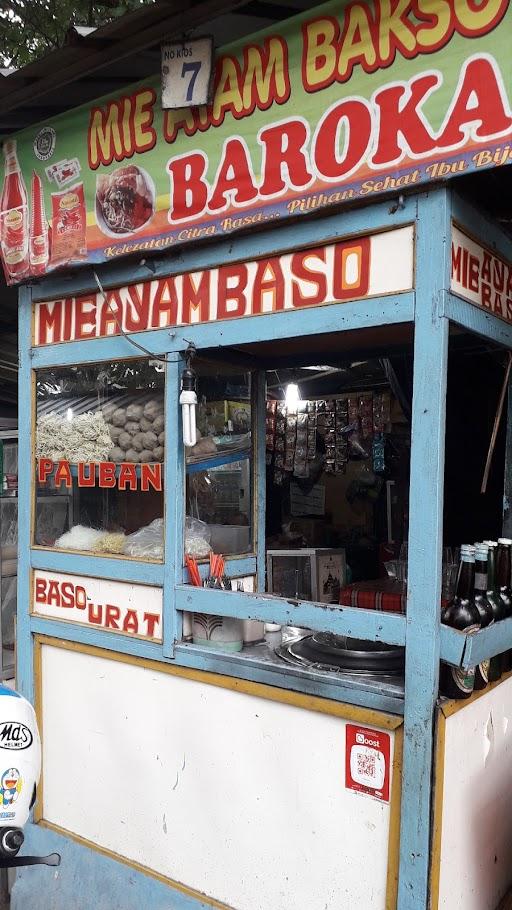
[(157, 23)]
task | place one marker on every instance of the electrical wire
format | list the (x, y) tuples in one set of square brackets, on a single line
[(160, 357)]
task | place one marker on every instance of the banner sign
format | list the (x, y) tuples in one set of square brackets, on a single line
[(481, 276), (350, 269), (344, 103), (116, 606)]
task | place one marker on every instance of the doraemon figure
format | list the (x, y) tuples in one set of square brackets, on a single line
[(11, 784)]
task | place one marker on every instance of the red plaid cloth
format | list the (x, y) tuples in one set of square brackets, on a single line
[(383, 594), (374, 595)]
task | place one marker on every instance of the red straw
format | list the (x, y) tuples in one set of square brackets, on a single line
[(194, 573)]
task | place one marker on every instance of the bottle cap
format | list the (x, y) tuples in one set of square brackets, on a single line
[(506, 541), (467, 552), (490, 543)]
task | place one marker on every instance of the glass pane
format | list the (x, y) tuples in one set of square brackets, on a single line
[(100, 451), (219, 466), (291, 575)]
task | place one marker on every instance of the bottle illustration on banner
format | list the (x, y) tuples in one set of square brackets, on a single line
[(38, 251), (14, 216)]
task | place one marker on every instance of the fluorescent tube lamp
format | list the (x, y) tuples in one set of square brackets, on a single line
[(292, 396)]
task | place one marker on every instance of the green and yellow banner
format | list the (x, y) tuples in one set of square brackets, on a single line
[(346, 102)]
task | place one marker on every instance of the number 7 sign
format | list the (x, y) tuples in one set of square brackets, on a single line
[(187, 73)]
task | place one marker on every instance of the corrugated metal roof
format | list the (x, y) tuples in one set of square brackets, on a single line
[(94, 62)]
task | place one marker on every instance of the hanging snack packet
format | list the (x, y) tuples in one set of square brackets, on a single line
[(68, 242)]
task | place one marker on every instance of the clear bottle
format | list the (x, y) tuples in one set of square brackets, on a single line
[(462, 614), (14, 228), (482, 671)]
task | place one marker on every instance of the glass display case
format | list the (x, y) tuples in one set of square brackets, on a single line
[(100, 444), (219, 466)]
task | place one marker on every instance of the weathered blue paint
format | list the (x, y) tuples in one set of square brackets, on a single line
[(250, 246), (425, 547), (100, 566), (143, 573), (334, 317), (468, 650), (174, 507), (104, 883), (487, 643), (383, 696), (477, 320), (87, 879), (97, 638), (369, 624), (236, 567), (25, 666)]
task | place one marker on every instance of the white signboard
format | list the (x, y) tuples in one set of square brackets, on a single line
[(481, 276), (349, 269), (187, 73), (115, 606)]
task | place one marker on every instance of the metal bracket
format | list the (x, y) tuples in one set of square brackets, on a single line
[(53, 859)]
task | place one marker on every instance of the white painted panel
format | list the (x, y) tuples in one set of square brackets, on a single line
[(233, 795), (392, 263), (480, 275), (115, 606), (354, 268), (476, 844)]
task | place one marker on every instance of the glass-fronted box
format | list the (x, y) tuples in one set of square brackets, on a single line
[(296, 485)]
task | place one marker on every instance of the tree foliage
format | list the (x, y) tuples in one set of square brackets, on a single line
[(31, 28)]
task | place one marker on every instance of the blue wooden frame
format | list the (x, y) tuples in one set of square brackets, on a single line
[(431, 307)]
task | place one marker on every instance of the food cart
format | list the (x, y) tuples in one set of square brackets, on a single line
[(185, 763)]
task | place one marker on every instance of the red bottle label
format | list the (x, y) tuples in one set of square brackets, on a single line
[(15, 239), (39, 251)]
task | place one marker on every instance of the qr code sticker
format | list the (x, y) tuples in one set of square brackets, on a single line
[(367, 766)]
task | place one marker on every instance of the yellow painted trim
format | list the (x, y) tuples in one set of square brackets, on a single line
[(146, 870), (367, 716), (453, 706), (445, 710), (437, 827), (354, 713), (38, 707), (394, 822)]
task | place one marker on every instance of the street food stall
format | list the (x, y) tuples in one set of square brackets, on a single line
[(230, 620)]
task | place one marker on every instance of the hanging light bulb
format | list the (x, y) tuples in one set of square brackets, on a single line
[(292, 396), (188, 401)]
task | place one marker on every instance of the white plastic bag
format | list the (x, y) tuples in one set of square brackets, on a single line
[(148, 542), (197, 538)]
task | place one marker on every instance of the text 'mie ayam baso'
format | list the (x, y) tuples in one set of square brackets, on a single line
[(347, 270)]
